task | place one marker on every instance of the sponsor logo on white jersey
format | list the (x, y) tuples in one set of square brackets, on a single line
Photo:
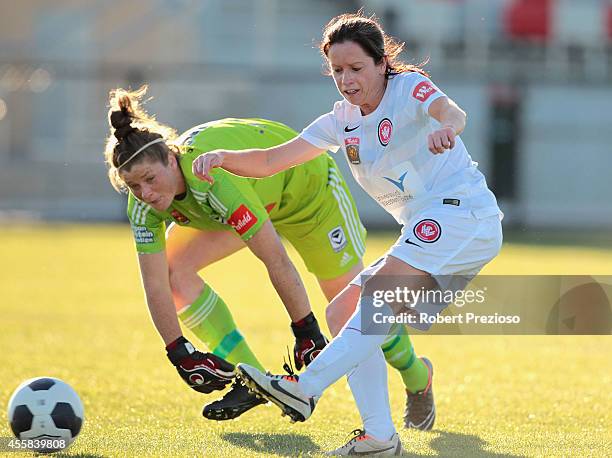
[(352, 149), (393, 199), (423, 91), (399, 182)]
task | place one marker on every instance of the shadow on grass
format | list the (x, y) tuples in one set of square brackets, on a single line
[(445, 444), (281, 444), (456, 444)]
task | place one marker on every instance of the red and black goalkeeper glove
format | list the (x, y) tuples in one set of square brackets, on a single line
[(203, 372), (308, 340)]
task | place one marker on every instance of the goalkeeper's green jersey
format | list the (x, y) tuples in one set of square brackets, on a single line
[(232, 202)]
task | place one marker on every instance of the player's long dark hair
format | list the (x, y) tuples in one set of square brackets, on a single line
[(131, 128), (367, 33)]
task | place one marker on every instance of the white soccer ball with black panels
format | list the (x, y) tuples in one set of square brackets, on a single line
[(45, 408)]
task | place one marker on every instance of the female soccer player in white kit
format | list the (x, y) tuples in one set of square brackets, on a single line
[(399, 133)]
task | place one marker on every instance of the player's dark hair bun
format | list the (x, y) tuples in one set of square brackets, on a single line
[(122, 122)]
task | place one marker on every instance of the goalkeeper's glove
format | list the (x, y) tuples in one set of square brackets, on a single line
[(308, 340), (203, 372)]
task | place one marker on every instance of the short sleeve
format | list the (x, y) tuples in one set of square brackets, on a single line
[(148, 228), (235, 202), (421, 92), (322, 132)]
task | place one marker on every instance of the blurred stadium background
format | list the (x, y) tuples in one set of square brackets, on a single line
[(535, 77)]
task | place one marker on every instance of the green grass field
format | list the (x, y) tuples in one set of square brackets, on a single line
[(73, 308)]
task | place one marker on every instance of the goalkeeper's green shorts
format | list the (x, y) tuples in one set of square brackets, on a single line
[(330, 237)]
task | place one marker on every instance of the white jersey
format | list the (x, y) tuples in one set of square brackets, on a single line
[(388, 154)]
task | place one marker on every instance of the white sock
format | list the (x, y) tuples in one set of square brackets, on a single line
[(349, 348), (368, 382)]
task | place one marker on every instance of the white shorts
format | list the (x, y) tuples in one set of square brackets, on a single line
[(445, 241), (449, 243)]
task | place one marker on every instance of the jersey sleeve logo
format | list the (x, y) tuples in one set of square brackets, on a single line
[(142, 234), (423, 91), (242, 219), (179, 217)]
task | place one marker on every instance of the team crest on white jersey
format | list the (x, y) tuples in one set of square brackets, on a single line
[(427, 230), (385, 129), (352, 149)]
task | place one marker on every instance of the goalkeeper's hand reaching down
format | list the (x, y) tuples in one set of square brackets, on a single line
[(308, 340), (203, 372)]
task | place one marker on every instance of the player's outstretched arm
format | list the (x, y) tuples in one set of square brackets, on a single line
[(256, 163)]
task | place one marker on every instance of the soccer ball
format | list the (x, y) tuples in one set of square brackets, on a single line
[(45, 414)]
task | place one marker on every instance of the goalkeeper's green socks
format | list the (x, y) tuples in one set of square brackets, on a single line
[(399, 353), (211, 321)]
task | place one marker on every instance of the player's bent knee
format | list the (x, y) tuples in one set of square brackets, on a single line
[(340, 309), (181, 280), (330, 315)]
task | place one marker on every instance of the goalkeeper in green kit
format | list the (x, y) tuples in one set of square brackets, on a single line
[(182, 224)]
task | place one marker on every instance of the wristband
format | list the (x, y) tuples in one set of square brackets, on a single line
[(178, 350), (307, 327)]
